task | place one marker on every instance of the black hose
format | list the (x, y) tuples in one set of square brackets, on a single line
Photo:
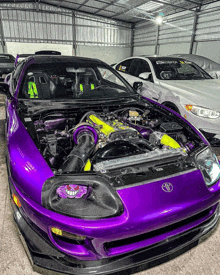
[(78, 157)]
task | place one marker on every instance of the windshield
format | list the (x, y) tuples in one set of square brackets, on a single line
[(73, 80), (170, 69)]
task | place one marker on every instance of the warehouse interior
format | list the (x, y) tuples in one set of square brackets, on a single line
[(109, 30)]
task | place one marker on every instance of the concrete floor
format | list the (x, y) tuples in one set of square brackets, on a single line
[(204, 259)]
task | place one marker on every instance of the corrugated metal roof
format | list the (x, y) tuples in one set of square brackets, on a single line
[(124, 10)]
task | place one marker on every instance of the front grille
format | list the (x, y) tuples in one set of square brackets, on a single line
[(158, 232)]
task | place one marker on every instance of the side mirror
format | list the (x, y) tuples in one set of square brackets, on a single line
[(4, 89), (8, 78), (137, 85), (146, 76)]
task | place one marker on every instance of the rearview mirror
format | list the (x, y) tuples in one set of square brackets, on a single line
[(73, 70)]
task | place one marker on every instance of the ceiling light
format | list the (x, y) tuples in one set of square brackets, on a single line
[(159, 20)]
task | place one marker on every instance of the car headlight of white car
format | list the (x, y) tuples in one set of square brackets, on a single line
[(209, 166), (202, 112)]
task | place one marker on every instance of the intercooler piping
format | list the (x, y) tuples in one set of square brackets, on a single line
[(86, 138), (144, 131)]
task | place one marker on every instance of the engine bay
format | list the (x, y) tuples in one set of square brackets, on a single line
[(120, 143)]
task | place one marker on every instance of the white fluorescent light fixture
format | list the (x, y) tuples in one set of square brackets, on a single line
[(159, 20)]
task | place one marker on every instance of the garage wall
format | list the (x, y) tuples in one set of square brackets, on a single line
[(210, 49), (207, 39), (15, 48), (103, 39), (29, 27), (175, 34), (109, 54), (144, 38)]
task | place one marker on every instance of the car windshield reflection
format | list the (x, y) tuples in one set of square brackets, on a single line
[(73, 81)]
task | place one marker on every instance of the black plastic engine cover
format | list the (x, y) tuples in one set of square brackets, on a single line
[(116, 149)]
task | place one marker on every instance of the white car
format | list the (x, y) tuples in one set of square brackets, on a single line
[(210, 66), (180, 85)]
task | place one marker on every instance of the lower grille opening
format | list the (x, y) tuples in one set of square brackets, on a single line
[(160, 231)]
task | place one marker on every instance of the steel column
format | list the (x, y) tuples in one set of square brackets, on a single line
[(132, 39), (157, 38), (74, 33), (4, 49), (194, 30)]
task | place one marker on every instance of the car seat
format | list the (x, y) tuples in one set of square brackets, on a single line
[(32, 91), (85, 83), (36, 85), (57, 89)]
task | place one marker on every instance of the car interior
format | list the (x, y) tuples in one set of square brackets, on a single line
[(40, 85)]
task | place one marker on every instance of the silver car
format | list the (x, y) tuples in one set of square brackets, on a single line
[(180, 85)]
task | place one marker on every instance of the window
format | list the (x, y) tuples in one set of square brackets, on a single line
[(139, 66), (134, 66), (175, 69), (188, 69), (124, 66), (143, 67), (17, 74), (72, 80)]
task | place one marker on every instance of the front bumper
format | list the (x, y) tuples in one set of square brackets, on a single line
[(44, 256)]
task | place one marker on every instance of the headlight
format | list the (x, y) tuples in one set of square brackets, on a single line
[(209, 166), (85, 197), (203, 112)]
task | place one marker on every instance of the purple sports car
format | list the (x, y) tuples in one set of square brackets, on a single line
[(102, 180)]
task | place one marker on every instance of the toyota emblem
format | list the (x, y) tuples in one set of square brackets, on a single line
[(167, 187)]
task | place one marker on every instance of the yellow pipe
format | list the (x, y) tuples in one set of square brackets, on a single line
[(168, 141)]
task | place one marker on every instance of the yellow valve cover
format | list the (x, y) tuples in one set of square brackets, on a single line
[(105, 128)]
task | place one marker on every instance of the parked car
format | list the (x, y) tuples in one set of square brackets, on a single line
[(180, 85), (210, 66), (7, 63), (101, 179)]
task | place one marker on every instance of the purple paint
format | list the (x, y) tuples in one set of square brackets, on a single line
[(141, 215), (144, 131), (82, 128)]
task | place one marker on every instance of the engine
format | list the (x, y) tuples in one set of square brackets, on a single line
[(105, 141)]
